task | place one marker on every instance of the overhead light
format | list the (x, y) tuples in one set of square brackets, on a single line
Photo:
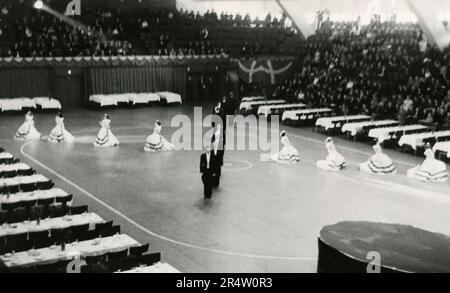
[(38, 4)]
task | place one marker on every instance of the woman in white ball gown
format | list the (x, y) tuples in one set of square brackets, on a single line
[(431, 170), (288, 154), (60, 133), (379, 163), (105, 137), (156, 142), (334, 161), (27, 131)]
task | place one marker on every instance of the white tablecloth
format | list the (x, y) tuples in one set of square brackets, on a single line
[(328, 122), (144, 98), (51, 223), (6, 155), (383, 134), (249, 105), (33, 195), (268, 109), (54, 254), (170, 97), (357, 127), (24, 180), (159, 268), (304, 114), (14, 167), (252, 99), (16, 104), (47, 103), (443, 146), (415, 140)]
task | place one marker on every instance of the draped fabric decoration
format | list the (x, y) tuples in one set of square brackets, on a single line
[(26, 82), (119, 80), (114, 61), (273, 71)]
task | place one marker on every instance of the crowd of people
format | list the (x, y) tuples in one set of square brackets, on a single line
[(27, 32), (386, 69)]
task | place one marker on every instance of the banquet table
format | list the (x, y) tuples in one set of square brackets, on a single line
[(252, 99), (170, 98), (14, 167), (37, 178), (249, 106), (47, 103), (308, 114), (6, 156), (336, 122), (387, 133), (416, 140), (54, 254), (51, 223), (443, 146), (33, 195), (267, 110), (16, 104), (357, 127), (159, 268), (144, 98)]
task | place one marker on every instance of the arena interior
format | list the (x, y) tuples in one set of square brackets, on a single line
[(355, 92)]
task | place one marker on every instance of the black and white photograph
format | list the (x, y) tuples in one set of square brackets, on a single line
[(224, 137)]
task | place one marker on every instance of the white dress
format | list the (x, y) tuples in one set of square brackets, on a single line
[(287, 155), (105, 137), (378, 164), (157, 143), (431, 170), (334, 161), (27, 131), (60, 133)]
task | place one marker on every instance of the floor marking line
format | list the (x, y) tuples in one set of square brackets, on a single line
[(153, 234)]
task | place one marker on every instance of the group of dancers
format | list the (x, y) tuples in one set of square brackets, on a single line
[(105, 137), (431, 170)]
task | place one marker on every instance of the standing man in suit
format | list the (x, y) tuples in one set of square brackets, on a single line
[(207, 168), (217, 154)]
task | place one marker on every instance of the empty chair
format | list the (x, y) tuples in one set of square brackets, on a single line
[(108, 232), (88, 235), (38, 235), (139, 250), (63, 200), (60, 211), (78, 210), (28, 205), (28, 187), (16, 239), (45, 185), (101, 226), (9, 206), (79, 228), (91, 260), (27, 172), (118, 255), (150, 259), (9, 174)]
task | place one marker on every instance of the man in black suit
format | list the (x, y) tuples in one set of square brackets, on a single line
[(208, 167), (218, 153)]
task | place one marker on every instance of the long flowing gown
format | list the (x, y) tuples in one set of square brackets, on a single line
[(157, 143), (60, 133), (431, 170), (334, 161), (287, 155), (378, 164), (105, 137), (27, 131)]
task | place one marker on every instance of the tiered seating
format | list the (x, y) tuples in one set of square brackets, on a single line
[(134, 99), (40, 230), (20, 104)]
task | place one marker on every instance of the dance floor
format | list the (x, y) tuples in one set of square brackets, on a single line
[(265, 217)]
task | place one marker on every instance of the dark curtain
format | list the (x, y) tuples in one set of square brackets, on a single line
[(114, 80), (24, 82)]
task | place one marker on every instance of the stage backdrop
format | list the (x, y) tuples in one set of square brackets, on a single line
[(24, 82), (112, 80)]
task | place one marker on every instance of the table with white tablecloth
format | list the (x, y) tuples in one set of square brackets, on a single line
[(54, 254), (159, 268), (252, 99), (37, 178), (267, 110), (249, 106), (47, 103), (387, 133), (17, 104), (170, 98), (357, 127), (14, 167), (109, 100), (308, 114), (144, 98), (337, 122), (443, 147), (416, 140), (33, 195), (51, 223)]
